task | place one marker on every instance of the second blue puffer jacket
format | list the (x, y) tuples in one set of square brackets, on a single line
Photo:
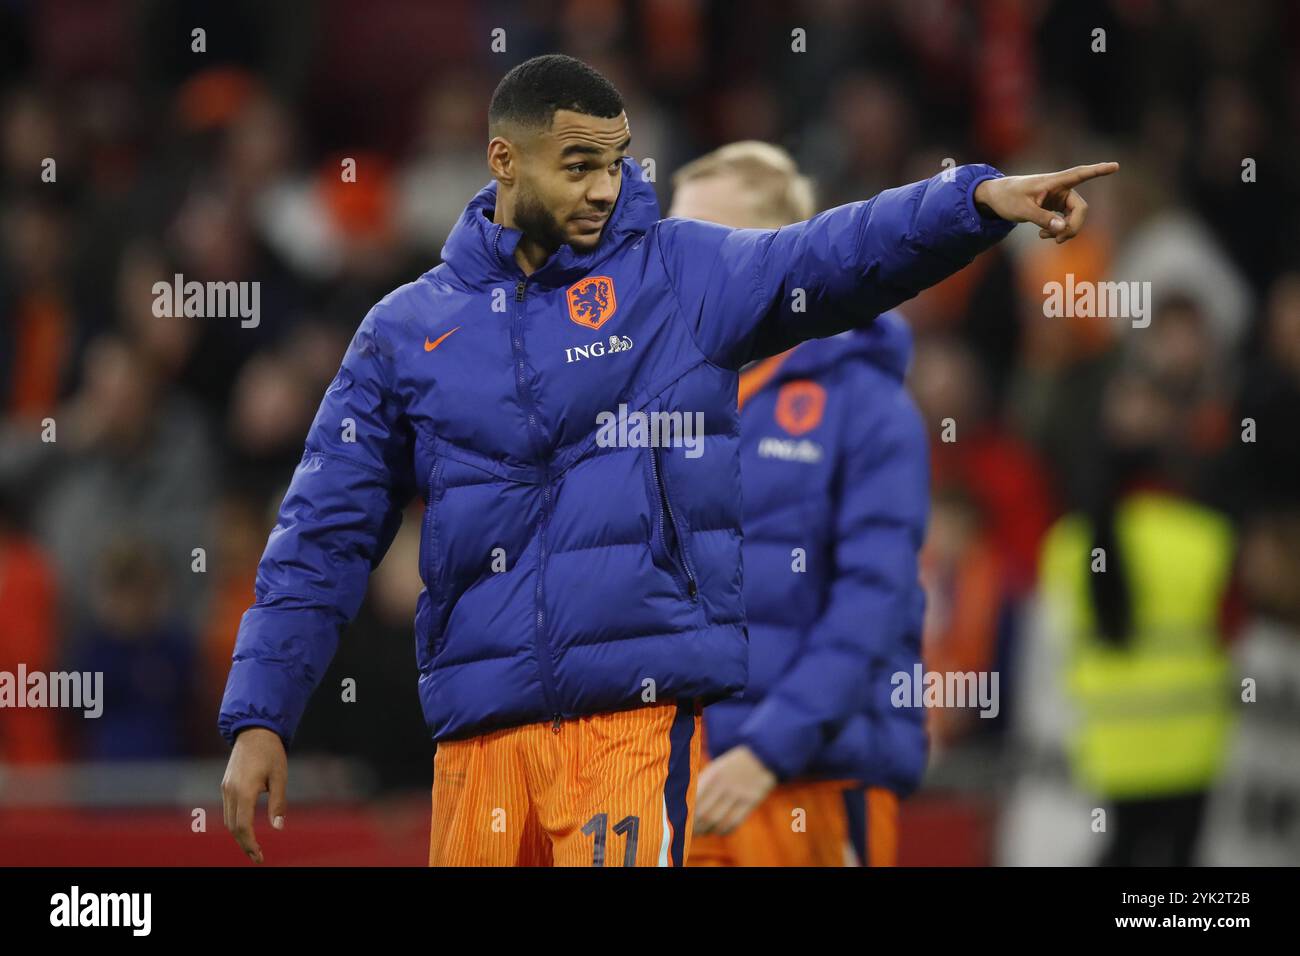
[(835, 467)]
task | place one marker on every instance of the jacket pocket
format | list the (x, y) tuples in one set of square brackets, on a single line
[(430, 568), (670, 538)]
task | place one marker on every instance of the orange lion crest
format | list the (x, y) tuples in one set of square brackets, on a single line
[(592, 302), (799, 406)]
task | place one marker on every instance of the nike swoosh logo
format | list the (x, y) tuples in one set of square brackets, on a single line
[(430, 346)]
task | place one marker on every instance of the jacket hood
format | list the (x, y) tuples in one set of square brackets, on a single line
[(481, 252), (886, 344)]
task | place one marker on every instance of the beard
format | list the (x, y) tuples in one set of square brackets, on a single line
[(536, 221)]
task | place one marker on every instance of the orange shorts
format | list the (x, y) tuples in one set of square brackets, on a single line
[(613, 789), (812, 823)]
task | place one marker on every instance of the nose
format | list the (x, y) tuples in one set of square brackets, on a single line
[(604, 190)]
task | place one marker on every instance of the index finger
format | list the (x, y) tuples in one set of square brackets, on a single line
[(1069, 178)]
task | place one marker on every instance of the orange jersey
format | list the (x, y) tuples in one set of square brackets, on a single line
[(612, 789)]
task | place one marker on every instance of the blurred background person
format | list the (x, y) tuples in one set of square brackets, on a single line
[(380, 720), (123, 453), (29, 635), (1137, 587), (1254, 812), (806, 768), (1252, 817), (145, 651)]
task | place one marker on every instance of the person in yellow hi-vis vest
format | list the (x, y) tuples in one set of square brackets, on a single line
[(1134, 588)]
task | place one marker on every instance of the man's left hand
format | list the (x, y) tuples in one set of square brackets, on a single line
[(730, 788)]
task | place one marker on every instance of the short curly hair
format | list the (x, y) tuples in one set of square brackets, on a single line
[(531, 92)]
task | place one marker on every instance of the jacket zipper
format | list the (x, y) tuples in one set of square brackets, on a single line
[(666, 509), (540, 645), (426, 551)]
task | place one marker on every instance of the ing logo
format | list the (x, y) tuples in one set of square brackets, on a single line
[(591, 301), (799, 406)]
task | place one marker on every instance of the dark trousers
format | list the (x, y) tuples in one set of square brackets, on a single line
[(1155, 832)]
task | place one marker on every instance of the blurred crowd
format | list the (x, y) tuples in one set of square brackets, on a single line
[(142, 458)]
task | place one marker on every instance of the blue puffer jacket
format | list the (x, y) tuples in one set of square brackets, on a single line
[(565, 578), (836, 492)]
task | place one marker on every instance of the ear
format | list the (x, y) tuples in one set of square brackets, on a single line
[(501, 160)]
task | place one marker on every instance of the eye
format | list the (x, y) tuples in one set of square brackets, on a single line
[(577, 168)]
